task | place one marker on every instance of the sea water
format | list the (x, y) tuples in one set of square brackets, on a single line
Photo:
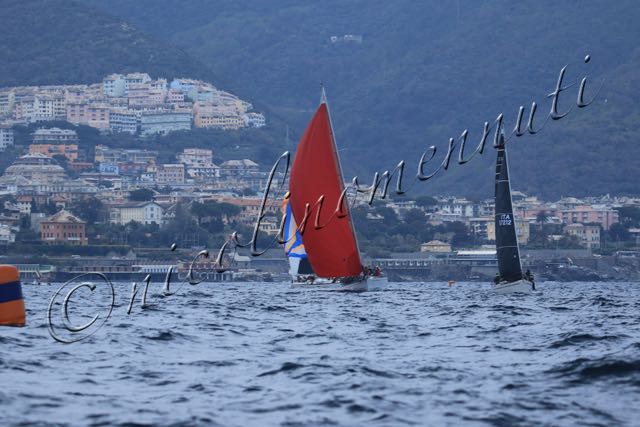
[(260, 354)]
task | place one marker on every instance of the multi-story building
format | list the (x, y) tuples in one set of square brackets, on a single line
[(63, 228), (196, 157), (170, 174), (6, 234), (588, 235), (255, 120), (104, 154), (175, 96), (135, 78), (70, 151), (238, 168), (215, 116), (585, 214), (142, 212), (163, 122), (54, 135), (457, 206), (98, 116), (204, 173), (251, 208), (124, 121), (114, 85), (77, 111), (7, 99), (6, 137), (523, 230)]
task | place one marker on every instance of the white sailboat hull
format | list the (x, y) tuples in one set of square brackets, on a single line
[(377, 283), (520, 286), (328, 285)]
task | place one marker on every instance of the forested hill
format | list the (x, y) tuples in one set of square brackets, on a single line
[(62, 41), (423, 72)]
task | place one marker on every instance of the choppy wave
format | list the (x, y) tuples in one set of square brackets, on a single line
[(261, 354)]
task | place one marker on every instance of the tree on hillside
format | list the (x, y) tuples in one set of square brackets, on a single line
[(141, 195), (629, 216), (91, 210)]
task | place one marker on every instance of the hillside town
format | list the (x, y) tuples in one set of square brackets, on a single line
[(127, 200), (131, 103), (61, 192)]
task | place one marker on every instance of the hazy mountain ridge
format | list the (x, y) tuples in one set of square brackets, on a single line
[(56, 41)]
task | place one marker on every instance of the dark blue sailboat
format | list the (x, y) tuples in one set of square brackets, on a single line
[(510, 277)]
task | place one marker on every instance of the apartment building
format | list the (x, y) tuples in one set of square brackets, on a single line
[(63, 228)]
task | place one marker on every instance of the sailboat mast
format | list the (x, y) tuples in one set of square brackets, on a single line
[(323, 100)]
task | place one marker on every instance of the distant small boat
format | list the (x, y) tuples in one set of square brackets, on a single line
[(327, 257), (510, 277)]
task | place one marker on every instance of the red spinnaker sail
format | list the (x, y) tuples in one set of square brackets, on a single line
[(332, 250)]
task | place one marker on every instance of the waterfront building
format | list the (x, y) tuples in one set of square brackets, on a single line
[(142, 212), (435, 246), (63, 228), (588, 235)]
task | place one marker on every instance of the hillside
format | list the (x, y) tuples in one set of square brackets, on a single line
[(63, 42), (424, 72), (56, 41)]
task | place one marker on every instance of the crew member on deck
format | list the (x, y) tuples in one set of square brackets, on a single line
[(529, 277)]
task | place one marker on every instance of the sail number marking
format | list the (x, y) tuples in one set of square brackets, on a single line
[(504, 219)]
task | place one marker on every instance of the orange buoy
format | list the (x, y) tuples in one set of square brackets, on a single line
[(12, 311)]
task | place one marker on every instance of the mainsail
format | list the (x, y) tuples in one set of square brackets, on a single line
[(332, 249), (506, 240)]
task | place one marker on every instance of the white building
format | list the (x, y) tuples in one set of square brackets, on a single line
[(142, 212), (125, 121), (6, 235), (56, 135), (196, 157), (163, 122), (114, 85), (255, 120)]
